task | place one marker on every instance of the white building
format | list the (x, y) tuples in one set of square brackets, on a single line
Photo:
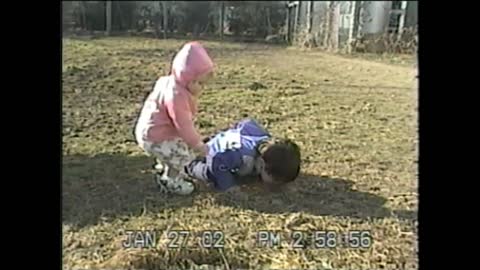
[(357, 18)]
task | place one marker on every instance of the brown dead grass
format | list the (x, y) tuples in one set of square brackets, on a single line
[(354, 119)]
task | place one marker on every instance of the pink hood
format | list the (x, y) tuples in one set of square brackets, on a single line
[(191, 62), (169, 110)]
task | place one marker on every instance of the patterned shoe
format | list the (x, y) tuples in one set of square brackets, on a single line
[(177, 186), (161, 183), (159, 167), (181, 186)]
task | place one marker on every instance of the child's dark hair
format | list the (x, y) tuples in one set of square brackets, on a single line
[(282, 160)]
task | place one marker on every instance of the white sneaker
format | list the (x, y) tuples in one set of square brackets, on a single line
[(182, 187), (177, 186), (161, 183), (159, 167)]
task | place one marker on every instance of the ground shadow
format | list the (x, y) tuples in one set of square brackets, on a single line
[(321, 196), (109, 186)]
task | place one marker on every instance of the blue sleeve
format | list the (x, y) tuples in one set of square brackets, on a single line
[(223, 167), (250, 127), (241, 122)]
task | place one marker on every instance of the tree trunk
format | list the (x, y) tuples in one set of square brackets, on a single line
[(222, 18), (297, 17), (269, 22), (195, 30), (206, 28), (309, 16), (287, 26), (165, 19), (109, 17), (333, 24), (357, 20), (326, 25), (121, 20), (402, 18), (351, 26), (362, 18), (84, 15)]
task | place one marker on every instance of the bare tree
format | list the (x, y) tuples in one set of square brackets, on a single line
[(309, 16), (297, 16), (293, 6), (351, 26), (333, 25), (287, 24), (109, 17), (69, 15), (165, 19), (326, 25), (120, 16), (222, 18), (269, 21), (83, 8)]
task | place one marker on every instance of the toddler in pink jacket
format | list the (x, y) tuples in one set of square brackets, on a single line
[(165, 128)]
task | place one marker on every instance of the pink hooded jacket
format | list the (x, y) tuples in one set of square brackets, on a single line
[(170, 108)]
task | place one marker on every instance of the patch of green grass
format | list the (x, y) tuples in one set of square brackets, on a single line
[(355, 121)]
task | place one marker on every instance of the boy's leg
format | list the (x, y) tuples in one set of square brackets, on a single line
[(197, 169)]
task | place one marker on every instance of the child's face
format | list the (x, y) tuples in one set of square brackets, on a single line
[(264, 175), (196, 86)]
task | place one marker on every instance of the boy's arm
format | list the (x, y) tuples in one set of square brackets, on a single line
[(206, 139), (252, 128)]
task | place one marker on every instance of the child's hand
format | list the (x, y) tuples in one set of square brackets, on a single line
[(202, 149), (207, 139)]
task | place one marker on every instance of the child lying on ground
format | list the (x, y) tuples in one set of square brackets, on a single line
[(243, 151)]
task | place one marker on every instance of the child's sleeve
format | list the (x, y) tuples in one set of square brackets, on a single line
[(250, 127), (182, 118), (240, 123)]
